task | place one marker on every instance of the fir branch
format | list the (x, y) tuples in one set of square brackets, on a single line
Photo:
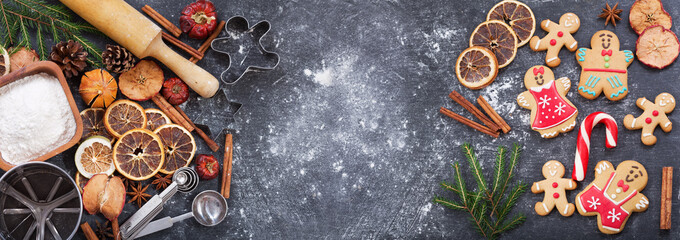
[(42, 49), (475, 167), (5, 21), (483, 204)]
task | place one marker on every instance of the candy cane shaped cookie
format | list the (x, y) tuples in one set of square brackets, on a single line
[(583, 141)]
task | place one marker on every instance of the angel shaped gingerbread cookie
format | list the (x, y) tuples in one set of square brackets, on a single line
[(551, 112), (614, 195), (559, 35), (604, 68), (654, 115)]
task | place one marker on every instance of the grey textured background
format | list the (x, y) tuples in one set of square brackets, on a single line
[(344, 138)]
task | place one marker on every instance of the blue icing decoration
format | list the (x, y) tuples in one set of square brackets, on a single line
[(588, 91), (619, 92), (581, 54), (629, 55)]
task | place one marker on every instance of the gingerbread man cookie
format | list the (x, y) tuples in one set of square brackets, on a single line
[(554, 187), (551, 111), (614, 195), (654, 115), (559, 35), (604, 67)]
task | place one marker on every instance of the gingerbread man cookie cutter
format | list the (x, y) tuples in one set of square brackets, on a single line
[(243, 46), (654, 115)]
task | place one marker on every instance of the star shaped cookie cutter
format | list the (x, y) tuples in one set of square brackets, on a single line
[(240, 45)]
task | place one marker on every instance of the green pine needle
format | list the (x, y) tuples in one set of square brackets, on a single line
[(487, 209), (18, 16)]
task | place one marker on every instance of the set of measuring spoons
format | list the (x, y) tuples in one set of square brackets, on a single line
[(209, 208)]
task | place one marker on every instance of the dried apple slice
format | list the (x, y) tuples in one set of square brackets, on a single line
[(647, 13), (142, 82), (518, 15), (657, 47), (105, 195), (497, 37)]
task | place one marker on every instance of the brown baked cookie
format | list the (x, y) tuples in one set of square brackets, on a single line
[(551, 112), (614, 195), (554, 187), (559, 35), (604, 68), (654, 115)]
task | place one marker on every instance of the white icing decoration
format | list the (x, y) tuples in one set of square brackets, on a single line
[(643, 203)]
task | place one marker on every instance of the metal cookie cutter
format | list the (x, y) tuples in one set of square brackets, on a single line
[(244, 47)]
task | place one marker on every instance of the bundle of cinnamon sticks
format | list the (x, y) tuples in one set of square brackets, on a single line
[(196, 54), (492, 124)]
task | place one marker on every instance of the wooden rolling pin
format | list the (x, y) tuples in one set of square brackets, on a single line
[(129, 28)]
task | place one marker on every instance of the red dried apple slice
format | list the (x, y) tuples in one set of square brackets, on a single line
[(657, 47)]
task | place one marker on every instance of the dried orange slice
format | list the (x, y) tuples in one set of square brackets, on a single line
[(180, 147), (518, 15), (138, 154), (80, 181), (646, 13), (497, 37), (93, 123), (155, 118), (657, 47), (476, 67), (122, 116), (142, 82), (94, 156)]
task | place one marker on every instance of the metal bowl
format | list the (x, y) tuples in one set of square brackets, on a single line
[(54, 70), (39, 200)]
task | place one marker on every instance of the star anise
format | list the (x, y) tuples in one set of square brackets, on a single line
[(103, 230), (162, 182), (611, 14), (139, 194)]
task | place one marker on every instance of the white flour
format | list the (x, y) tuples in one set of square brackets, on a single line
[(36, 118)]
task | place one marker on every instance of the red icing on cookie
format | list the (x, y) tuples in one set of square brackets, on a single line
[(648, 120), (555, 185), (556, 195), (553, 42), (560, 34), (655, 113)]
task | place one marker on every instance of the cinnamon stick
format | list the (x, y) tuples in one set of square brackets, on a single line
[(87, 230), (204, 47), (211, 144), (468, 122), (226, 165), (666, 198), (191, 51), (172, 113), (474, 110), (115, 228), (493, 114), (164, 22)]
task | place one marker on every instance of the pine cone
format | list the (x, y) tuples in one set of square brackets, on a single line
[(70, 57), (117, 59)]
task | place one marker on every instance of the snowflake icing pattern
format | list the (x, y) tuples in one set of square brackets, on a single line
[(594, 202), (613, 215), (545, 101), (559, 109)]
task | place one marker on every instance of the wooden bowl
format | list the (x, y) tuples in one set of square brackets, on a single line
[(54, 70)]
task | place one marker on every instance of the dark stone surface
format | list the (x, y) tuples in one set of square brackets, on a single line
[(344, 138)]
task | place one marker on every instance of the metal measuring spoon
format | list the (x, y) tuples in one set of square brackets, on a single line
[(209, 208)]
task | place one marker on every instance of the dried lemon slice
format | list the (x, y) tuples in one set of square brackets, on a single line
[(155, 118), (518, 15), (497, 37), (138, 154), (180, 147), (476, 67), (123, 116), (4, 62), (646, 13), (657, 47), (94, 156)]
